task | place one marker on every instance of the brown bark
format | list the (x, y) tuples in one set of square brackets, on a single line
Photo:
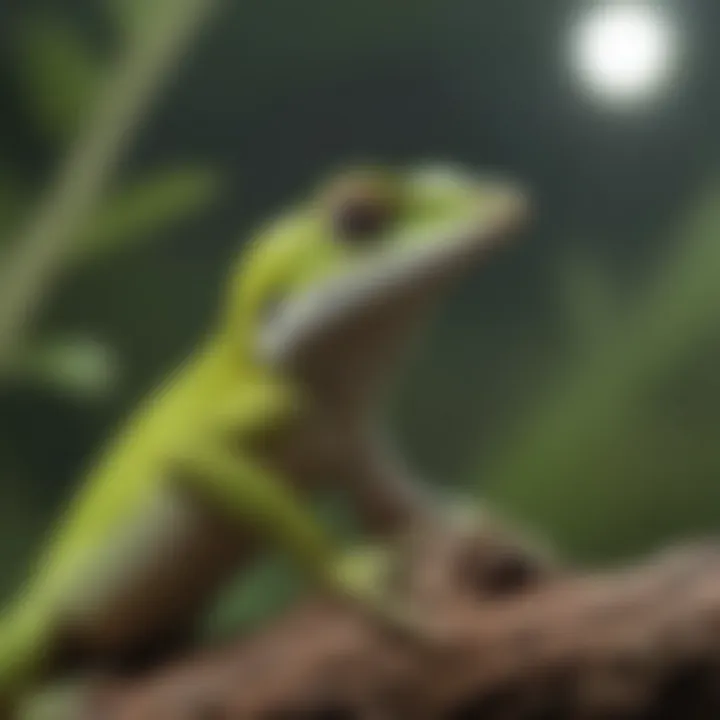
[(522, 639)]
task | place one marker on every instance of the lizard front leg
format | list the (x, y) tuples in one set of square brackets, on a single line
[(247, 492)]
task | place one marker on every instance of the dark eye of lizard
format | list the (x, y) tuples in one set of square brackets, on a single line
[(361, 217)]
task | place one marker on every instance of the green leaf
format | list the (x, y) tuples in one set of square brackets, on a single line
[(590, 300), (129, 15), (146, 208), (257, 595), (58, 74), (572, 463), (11, 202), (79, 366)]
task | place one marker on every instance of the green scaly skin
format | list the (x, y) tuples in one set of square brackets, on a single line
[(311, 318)]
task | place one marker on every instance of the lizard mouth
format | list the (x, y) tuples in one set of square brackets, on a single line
[(342, 336)]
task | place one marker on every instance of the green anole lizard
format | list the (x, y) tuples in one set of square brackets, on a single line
[(280, 399)]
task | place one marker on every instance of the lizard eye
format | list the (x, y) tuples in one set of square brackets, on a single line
[(361, 218), (361, 209)]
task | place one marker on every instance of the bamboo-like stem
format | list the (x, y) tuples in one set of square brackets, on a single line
[(36, 257)]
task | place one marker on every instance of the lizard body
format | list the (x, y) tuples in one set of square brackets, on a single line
[(279, 400)]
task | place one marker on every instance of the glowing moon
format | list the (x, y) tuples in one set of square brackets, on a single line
[(624, 51)]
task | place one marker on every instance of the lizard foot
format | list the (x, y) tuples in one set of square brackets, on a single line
[(364, 575)]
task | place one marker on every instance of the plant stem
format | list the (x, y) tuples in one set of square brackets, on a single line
[(36, 256)]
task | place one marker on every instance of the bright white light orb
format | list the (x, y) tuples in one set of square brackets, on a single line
[(624, 51)]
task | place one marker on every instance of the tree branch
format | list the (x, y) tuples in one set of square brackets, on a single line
[(525, 640)]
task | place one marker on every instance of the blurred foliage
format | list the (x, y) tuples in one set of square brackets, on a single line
[(600, 460), (59, 73), (81, 367), (146, 208), (255, 597)]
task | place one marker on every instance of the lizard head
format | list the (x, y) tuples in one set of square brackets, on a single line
[(330, 291)]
